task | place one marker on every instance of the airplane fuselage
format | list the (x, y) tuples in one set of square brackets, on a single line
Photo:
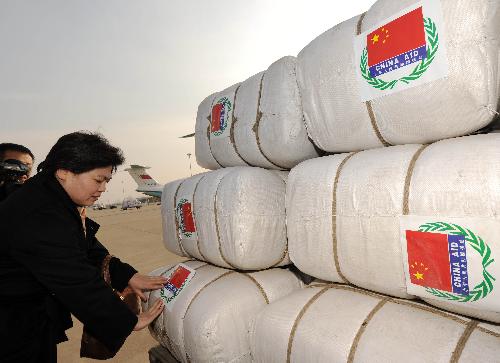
[(145, 183), (152, 193)]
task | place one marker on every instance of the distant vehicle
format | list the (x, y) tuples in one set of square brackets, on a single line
[(145, 183), (98, 207), (112, 206), (129, 203)]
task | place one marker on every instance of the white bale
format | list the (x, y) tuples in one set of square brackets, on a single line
[(156, 327), (169, 220), (222, 145), (238, 214), (464, 101), (282, 133), (465, 183), (168, 328), (223, 333), (367, 227), (203, 153), (246, 116), (187, 239), (262, 124), (352, 233), (338, 323), (211, 319)]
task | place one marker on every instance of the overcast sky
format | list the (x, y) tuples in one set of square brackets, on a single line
[(136, 71)]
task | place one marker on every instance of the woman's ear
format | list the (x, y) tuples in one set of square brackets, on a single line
[(62, 174)]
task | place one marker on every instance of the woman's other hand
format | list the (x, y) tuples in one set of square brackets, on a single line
[(138, 283), (145, 318)]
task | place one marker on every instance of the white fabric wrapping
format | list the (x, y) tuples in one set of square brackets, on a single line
[(239, 214), (156, 327), (465, 101), (246, 115), (266, 126), (369, 201), (222, 146), (170, 332), (340, 324), (204, 156), (369, 204), (282, 174), (282, 132), (211, 319), (188, 189), (169, 227)]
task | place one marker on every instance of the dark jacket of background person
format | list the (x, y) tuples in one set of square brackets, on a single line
[(8, 189), (3, 192), (49, 269)]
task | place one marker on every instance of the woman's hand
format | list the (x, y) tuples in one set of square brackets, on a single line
[(145, 318), (138, 283)]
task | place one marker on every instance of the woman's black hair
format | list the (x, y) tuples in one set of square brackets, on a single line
[(80, 152)]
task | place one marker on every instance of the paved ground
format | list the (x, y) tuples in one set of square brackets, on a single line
[(135, 237)]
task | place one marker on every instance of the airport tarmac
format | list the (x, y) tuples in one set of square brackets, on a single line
[(135, 236)]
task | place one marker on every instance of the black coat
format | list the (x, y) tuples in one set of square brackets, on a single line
[(49, 268)]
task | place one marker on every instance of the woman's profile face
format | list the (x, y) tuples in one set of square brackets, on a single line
[(85, 188)]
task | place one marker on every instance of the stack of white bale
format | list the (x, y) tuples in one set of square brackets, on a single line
[(338, 323), (233, 218), (343, 212), (462, 102), (237, 218), (258, 122), (212, 317)]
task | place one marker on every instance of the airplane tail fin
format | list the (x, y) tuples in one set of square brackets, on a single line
[(141, 176)]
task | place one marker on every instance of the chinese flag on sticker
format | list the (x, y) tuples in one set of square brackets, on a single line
[(187, 215), (179, 276), (396, 37), (216, 116), (429, 260)]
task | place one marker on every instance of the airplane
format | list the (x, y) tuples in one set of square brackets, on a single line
[(145, 183)]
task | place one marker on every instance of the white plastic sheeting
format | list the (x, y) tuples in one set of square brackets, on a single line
[(337, 323), (262, 123), (464, 101), (343, 224), (212, 317), (238, 214)]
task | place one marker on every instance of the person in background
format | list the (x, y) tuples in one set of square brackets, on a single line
[(16, 162), (51, 261), (10, 151)]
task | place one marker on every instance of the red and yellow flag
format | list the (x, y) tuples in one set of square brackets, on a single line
[(429, 260), (396, 37)]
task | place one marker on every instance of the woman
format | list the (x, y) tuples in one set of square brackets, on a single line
[(50, 260)]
